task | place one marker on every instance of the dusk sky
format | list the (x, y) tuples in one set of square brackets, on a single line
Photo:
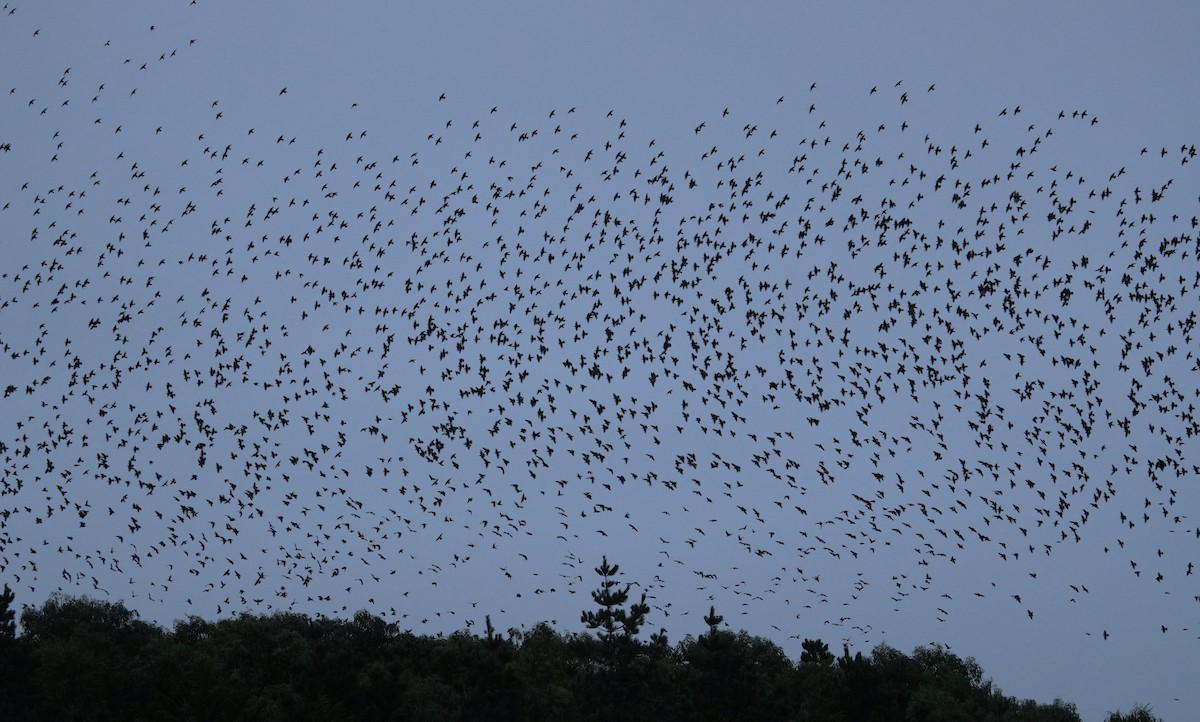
[(870, 322)]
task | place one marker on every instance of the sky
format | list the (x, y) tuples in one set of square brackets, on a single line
[(860, 321)]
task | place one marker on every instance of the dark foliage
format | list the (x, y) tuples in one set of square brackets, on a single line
[(78, 658), (612, 620)]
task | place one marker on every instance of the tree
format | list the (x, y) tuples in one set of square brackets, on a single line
[(8, 618), (814, 651), (659, 644), (611, 619), (1140, 713), (88, 657), (14, 663), (713, 620), (729, 676), (616, 689)]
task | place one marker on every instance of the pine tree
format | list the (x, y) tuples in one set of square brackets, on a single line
[(815, 652), (659, 642), (15, 667), (713, 620), (8, 624), (611, 619), (489, 629)]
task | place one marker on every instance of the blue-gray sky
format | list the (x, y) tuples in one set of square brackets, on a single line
[(958, 408)]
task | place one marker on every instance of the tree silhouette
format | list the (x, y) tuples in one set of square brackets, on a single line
[(617, 687), (90, 659), (713, 620), (814, 651), (14, 663), (611, 619), (8, 623), (1140, 713)]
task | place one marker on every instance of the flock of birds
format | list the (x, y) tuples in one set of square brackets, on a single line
[(786, 364)]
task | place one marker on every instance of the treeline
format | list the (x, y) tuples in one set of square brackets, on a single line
[(80, 658)]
